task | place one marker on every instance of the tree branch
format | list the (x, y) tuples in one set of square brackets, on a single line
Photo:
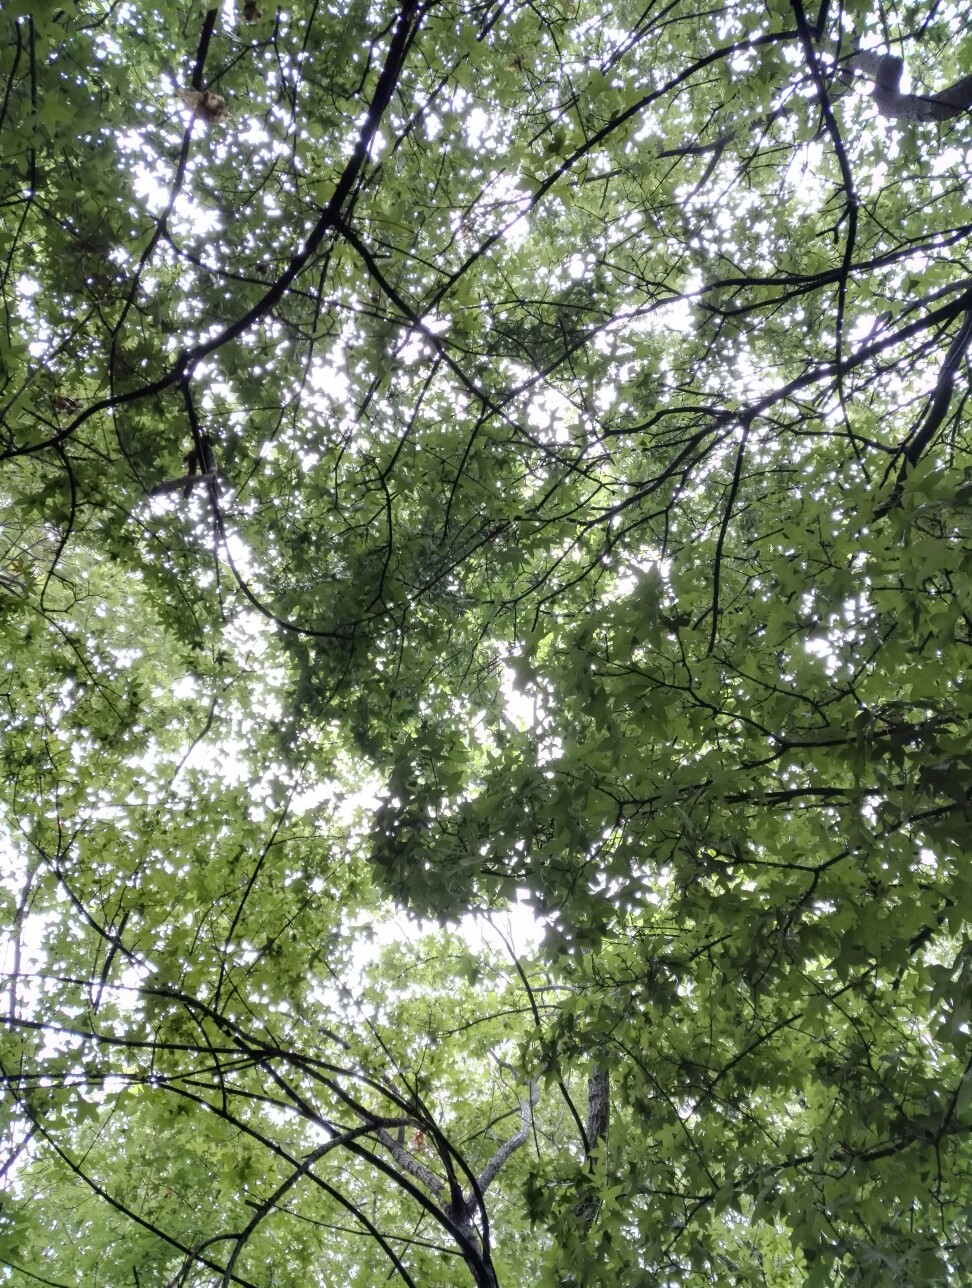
[(492, 1168), (411, 1165), (886, 69)]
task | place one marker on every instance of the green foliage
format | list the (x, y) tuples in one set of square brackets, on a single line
[(589, 537)]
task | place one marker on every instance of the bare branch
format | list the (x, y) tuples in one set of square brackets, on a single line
[(492, 1168), (404, 1159), (886, 70)]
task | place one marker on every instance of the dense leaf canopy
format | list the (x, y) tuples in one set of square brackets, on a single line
[(467, 456)]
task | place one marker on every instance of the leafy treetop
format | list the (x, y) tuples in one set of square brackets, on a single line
[(460, 453)]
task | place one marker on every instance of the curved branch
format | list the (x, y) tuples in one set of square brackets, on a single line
[(492, 1168)]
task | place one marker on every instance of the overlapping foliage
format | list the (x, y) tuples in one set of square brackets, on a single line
[(466, 453)]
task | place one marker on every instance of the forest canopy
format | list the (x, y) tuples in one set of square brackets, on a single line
[(486, 619)]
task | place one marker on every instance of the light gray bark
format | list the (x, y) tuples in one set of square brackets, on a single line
[(885, 71)]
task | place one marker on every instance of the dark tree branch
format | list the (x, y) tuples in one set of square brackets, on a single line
[(885, 70)]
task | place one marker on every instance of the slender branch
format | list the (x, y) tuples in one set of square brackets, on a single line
[(492, 1168), (723, 530)]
